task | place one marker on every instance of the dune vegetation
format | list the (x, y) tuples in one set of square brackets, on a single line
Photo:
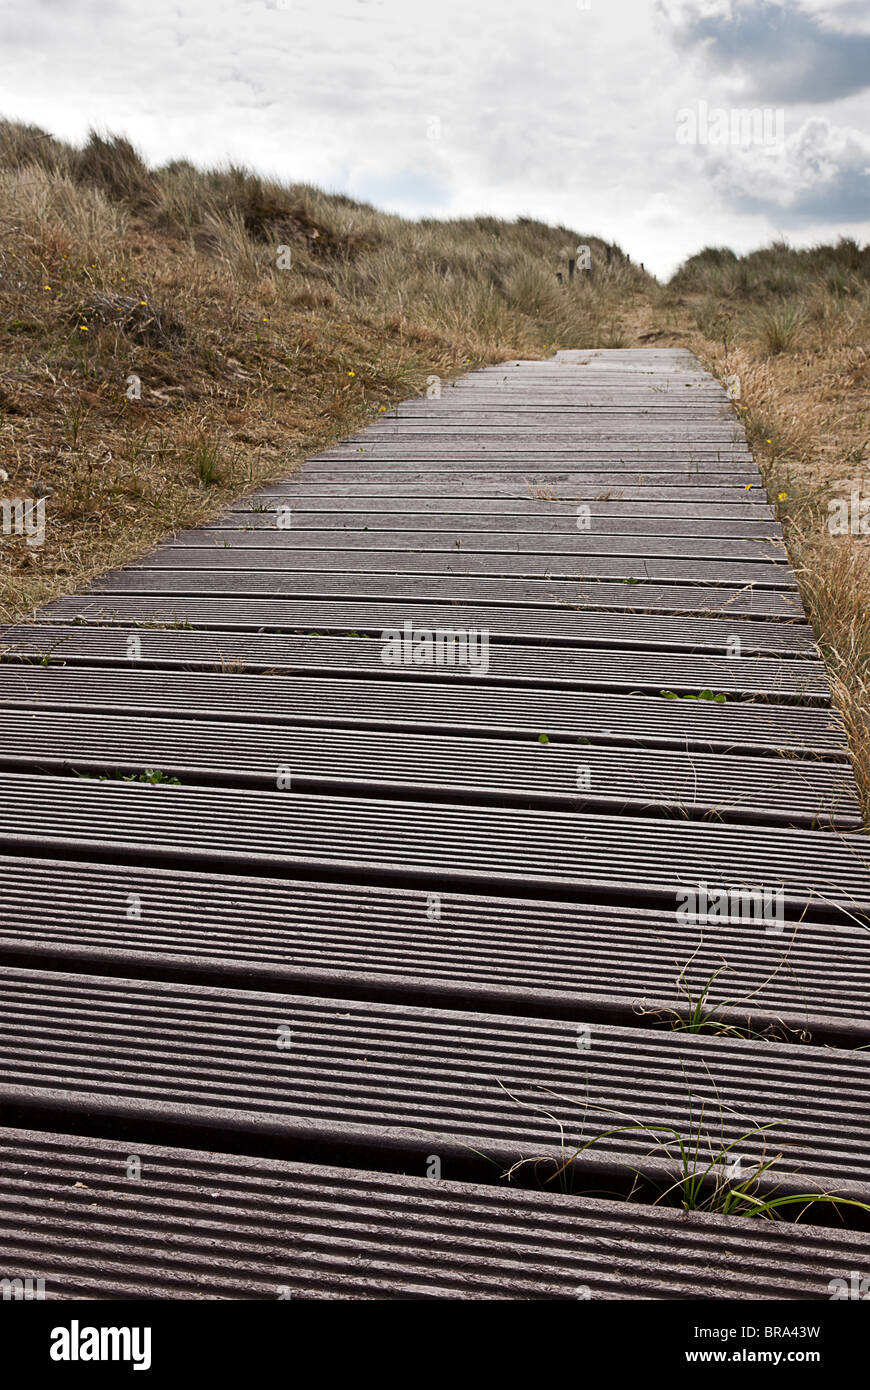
[(790, 330), (170, 338)]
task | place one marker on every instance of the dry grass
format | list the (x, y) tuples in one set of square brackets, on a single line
[(110, 270), (794, 327)]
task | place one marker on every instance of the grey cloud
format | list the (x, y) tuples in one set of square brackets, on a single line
[(782, 52), (819, 175)]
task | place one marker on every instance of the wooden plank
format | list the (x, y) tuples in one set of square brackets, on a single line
[(371, 1235), (562, 542), (544, 958), (291, 560), (558, 520), (388, 1079), (637, 596), (444, 701), (646, 861), (181, 638), (372, 763)]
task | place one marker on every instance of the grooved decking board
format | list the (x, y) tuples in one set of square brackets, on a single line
[(427, 705), (445, 768), (550, 427), (520, 496), (417, 1081), (428, 845), (674, 597), (544, 419), (553, 427), (537, 442), (219, 1226), (674, 468), (589, 962), (560, 477), (700, 500), (559, 411), (554, 418), (671, 465), (457, 562), (519, 465), (532, 526), (494, 511), (568, 542), (654, 673), (552, 404), (516, 449), (549, 627)]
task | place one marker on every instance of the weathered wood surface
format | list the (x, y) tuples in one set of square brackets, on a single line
[(436, 873)]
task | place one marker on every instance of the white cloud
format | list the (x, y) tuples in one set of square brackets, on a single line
[(545, 109), (778, 50), (821, 170)]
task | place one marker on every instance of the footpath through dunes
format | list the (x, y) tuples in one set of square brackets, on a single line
[(472, 801)]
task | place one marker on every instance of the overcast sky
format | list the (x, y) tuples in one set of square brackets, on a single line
[(566, 110)]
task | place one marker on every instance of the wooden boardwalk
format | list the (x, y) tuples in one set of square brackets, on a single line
[(369, 841)]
